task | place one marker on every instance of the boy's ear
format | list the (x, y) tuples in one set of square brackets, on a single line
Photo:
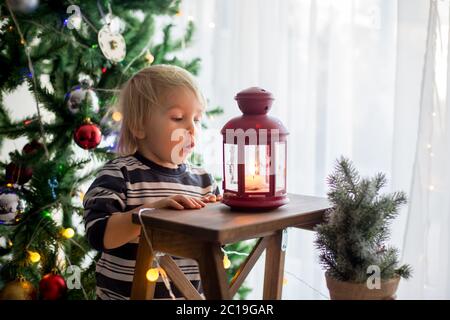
[(139, 133)]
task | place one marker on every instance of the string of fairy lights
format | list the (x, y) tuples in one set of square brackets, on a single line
[(227, 264), (441, 56)]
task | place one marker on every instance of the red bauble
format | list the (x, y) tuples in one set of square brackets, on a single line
[(52, 287), (18, 174), (32, 147), (88, 135)]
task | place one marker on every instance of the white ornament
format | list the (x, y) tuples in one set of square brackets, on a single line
[(23, 6), (112, 44), (75, 18), (78, 96), (10, 206)]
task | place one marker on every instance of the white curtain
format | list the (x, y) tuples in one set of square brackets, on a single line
[(426, 244), (349, 78)]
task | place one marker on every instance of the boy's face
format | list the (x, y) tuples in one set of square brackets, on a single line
[(168, 137)]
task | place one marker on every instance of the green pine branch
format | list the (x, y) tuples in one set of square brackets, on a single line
[(355, 230)]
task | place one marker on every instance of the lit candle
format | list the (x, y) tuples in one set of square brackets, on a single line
[(254, 182)]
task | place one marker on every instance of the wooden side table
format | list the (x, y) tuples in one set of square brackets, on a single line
[(199, 233)]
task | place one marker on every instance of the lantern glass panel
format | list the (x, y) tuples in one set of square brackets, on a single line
[(256, 168), (280, 163), (231, 167)]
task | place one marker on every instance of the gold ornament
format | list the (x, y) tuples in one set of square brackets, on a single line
[(19, 289)]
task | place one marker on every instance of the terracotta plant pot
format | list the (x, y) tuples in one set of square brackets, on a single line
[(340, 290)]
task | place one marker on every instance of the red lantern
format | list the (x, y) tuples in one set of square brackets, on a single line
[(88, 135), (254, 154)]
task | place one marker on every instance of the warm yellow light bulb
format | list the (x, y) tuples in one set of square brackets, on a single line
[(149, 57), (34, 256), (68, 233), (226, 262), (152, 274), (116, 116), (285, 281)]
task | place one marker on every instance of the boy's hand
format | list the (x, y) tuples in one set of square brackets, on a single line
[(211, 198), (179, 202)]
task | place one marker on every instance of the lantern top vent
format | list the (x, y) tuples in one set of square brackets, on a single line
[(254, 100), (255, 103)]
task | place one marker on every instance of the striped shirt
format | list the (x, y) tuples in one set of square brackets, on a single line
[(122, 185)]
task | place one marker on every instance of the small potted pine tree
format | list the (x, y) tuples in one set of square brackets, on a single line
[(358, 263)]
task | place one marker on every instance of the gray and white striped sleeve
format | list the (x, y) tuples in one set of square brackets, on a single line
[(105, 196)]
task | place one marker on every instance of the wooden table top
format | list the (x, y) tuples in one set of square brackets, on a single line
[(219, 223)]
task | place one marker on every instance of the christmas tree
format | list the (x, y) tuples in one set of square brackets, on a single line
[(74, 56)]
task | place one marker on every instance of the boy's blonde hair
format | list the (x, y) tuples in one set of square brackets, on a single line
[(144, 92)]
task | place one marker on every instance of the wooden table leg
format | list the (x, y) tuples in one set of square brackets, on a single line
[(212, 272), (274, 268), (142, 288)]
